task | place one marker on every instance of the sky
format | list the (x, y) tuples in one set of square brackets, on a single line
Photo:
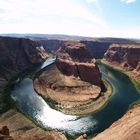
[(95, 18)]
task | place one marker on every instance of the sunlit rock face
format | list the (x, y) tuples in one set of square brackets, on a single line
[(15, 126), (74, 59), (16, 55), (126, 128), (73, 80), (120, 53), (98, 46), (126, 56)]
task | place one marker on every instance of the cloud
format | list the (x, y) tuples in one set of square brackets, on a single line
[(128, 1), (44, 9), (91, 1), (96, 3), (57, 17), (49, 16), (2, 10)]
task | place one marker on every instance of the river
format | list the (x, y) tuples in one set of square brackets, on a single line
[(29, 102)]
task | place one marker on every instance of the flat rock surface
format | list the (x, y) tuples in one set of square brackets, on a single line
[(64, 89), (21, 128), (126, 128)]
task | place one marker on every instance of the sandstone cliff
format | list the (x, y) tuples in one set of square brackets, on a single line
[(51, 45), (96, 47), (16, 55), (75, 59), (126, 56), (126, 128), (21, 128), (72, 81)]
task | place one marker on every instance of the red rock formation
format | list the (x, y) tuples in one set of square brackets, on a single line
[(98, 46), (126, 128), (121, 53), (74, 59), (82, 137), (16, 55), (21, 128), (4, 133), (4, 130), (125, 56), (73, 81)]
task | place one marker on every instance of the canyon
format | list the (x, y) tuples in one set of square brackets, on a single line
[(73, 68), (126, 128), (126, 57), (75, 73), (16, 55)]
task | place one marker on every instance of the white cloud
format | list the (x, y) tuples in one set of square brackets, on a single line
[(96, 3), (91, 1), (49, 16), (128, 1), (56, 17), (44, 9)]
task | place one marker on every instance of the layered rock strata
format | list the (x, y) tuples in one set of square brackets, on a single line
[(126, 128), (73, 80), (76, 60), (16, 55), (21, 128), (125, 56)]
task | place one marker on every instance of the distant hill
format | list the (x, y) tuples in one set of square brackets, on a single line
[(71, 37)]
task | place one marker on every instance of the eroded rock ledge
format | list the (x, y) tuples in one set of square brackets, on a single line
[(16, 55), (16, 126), (76, 60), (126, 128), (125, 57), (73, 80)]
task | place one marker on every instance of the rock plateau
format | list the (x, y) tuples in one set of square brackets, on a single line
[(125, 56), (73, 80)]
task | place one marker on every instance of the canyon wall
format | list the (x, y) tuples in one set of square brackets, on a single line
[(73, 81), (16, 55), (75, 59), (126, 128), (51, 45), (98, 48), (125, 56)]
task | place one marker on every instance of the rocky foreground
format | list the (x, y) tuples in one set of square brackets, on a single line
[(15, 126), (125, 57), (126, 128)]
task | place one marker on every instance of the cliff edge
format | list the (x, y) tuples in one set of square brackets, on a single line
[(73, 81), (16, 55), (126, 57)]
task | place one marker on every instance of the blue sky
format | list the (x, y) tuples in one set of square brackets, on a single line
[(96, 18)]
